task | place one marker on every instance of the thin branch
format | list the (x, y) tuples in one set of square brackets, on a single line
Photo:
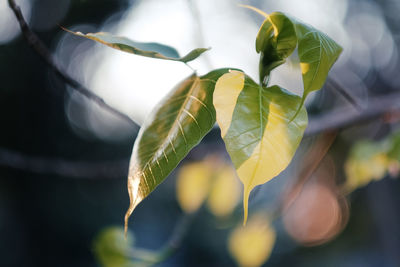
[(65, 168), (153, 257), (40, 48), (200, 32), (346, 117), (343, 92)]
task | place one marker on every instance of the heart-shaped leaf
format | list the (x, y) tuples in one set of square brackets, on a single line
[(153, 50), (175, 126), (256, 126), (317, 54)]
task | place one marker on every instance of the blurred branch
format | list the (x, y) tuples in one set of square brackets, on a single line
[(200, 32), (40, 48), (346, 117), (335, 120), (314, 157), (150, 258), (343, 92), (40, 165)]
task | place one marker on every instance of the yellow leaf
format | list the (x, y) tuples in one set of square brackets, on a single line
[(252, 245), (258, 127), (225, 193), (193, 185)]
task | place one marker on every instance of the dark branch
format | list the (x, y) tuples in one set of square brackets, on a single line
[(65, 168), (343, 92), (346, 117), (40, 48)]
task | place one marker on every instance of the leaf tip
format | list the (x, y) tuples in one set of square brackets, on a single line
[(134, 198), (246, 195), (259, 11)]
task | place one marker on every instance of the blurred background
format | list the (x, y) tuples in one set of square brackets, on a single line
[(64, 160)]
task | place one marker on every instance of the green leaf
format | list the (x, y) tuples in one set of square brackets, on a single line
[(175, 126), (276, 40), (317, 54), (153, 50), (256, 126), (111, 249)]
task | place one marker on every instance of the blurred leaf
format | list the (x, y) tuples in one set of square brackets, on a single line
[(252, 245), (394, 151), (256, 126), (153, 50), (175, 126), (225, 192), (276, 40), (111, 249), (193, 185), (367, 162)]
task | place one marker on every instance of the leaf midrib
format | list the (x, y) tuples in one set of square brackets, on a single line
[(174, 125)]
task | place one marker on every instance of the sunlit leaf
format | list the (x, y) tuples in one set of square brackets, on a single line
[(317, 54), (175, 126), (276, 40), (193, 185), (225, 192), (256, 126), (111, 249), (367, 162), (153, 50), (252, 245)]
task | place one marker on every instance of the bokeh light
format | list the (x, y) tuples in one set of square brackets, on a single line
[(9, 28)]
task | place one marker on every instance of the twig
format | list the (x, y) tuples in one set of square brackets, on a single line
[(200, 31), (315, 156), (153, 257), (40, 48), (343, 92), (72, 169)]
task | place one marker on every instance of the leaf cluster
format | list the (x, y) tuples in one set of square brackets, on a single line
[(261, 126)]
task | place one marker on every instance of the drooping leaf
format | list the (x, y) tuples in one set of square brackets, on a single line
[(256, 126), (153, 50), (276, 40), (225, 192), (175, 126), (278, 37), (317, 54), (193, 184), (252, 245)]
